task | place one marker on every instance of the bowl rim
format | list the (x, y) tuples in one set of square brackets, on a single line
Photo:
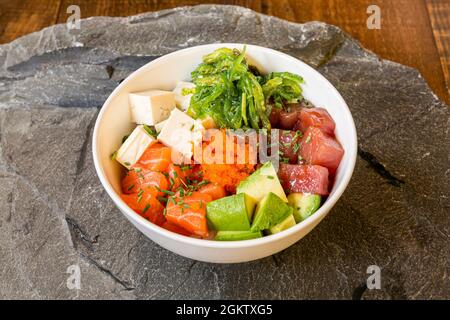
[(137, 219)]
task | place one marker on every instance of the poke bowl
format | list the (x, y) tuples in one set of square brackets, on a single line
[(225, 152)]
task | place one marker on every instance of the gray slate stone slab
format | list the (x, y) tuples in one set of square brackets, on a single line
[(54, 212)]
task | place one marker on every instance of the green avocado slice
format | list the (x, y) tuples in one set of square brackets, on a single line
[(261, 182), (233, 213), (269, 212), (237, 235), (283, 225), (304, 205)]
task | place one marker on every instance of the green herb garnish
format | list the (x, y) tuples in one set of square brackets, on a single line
[(203, 183), (151, 131), (308, 138), (162, 199), (147, 206), (113, 155), (168, 192), (140, 195), (296, 147), (298, 134)]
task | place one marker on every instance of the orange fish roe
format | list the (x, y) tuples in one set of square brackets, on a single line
[(226, 174)]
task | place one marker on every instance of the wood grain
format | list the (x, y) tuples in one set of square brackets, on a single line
[(18, 18), (406, 35), (439, 12)]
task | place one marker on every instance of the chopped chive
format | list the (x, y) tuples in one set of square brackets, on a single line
[(113, 155), (164, 212), (175, 174), (162, 199), (186, 167), (203, 183), (137, 169), (296, 147), (308, 139), (147, 206), (168, 192), (297, 134), (192, 127), (130, 187), (270, 177), (127, 163), (150, 131)]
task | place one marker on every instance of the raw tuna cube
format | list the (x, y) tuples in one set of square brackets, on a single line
[(287, 117), (289, 145), (319, 148), (315, 117), (304, 178)]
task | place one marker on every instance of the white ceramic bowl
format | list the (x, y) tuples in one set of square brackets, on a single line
[(113, 123)]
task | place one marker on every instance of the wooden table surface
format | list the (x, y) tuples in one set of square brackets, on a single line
[(413, 32)]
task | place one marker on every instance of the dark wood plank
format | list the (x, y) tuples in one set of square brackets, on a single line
[(406, 34), (18, 18), (439, 11)]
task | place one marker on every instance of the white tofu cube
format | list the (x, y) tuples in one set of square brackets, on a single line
[(151, 107), (182, 134), (182, 101), (134, 146)]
